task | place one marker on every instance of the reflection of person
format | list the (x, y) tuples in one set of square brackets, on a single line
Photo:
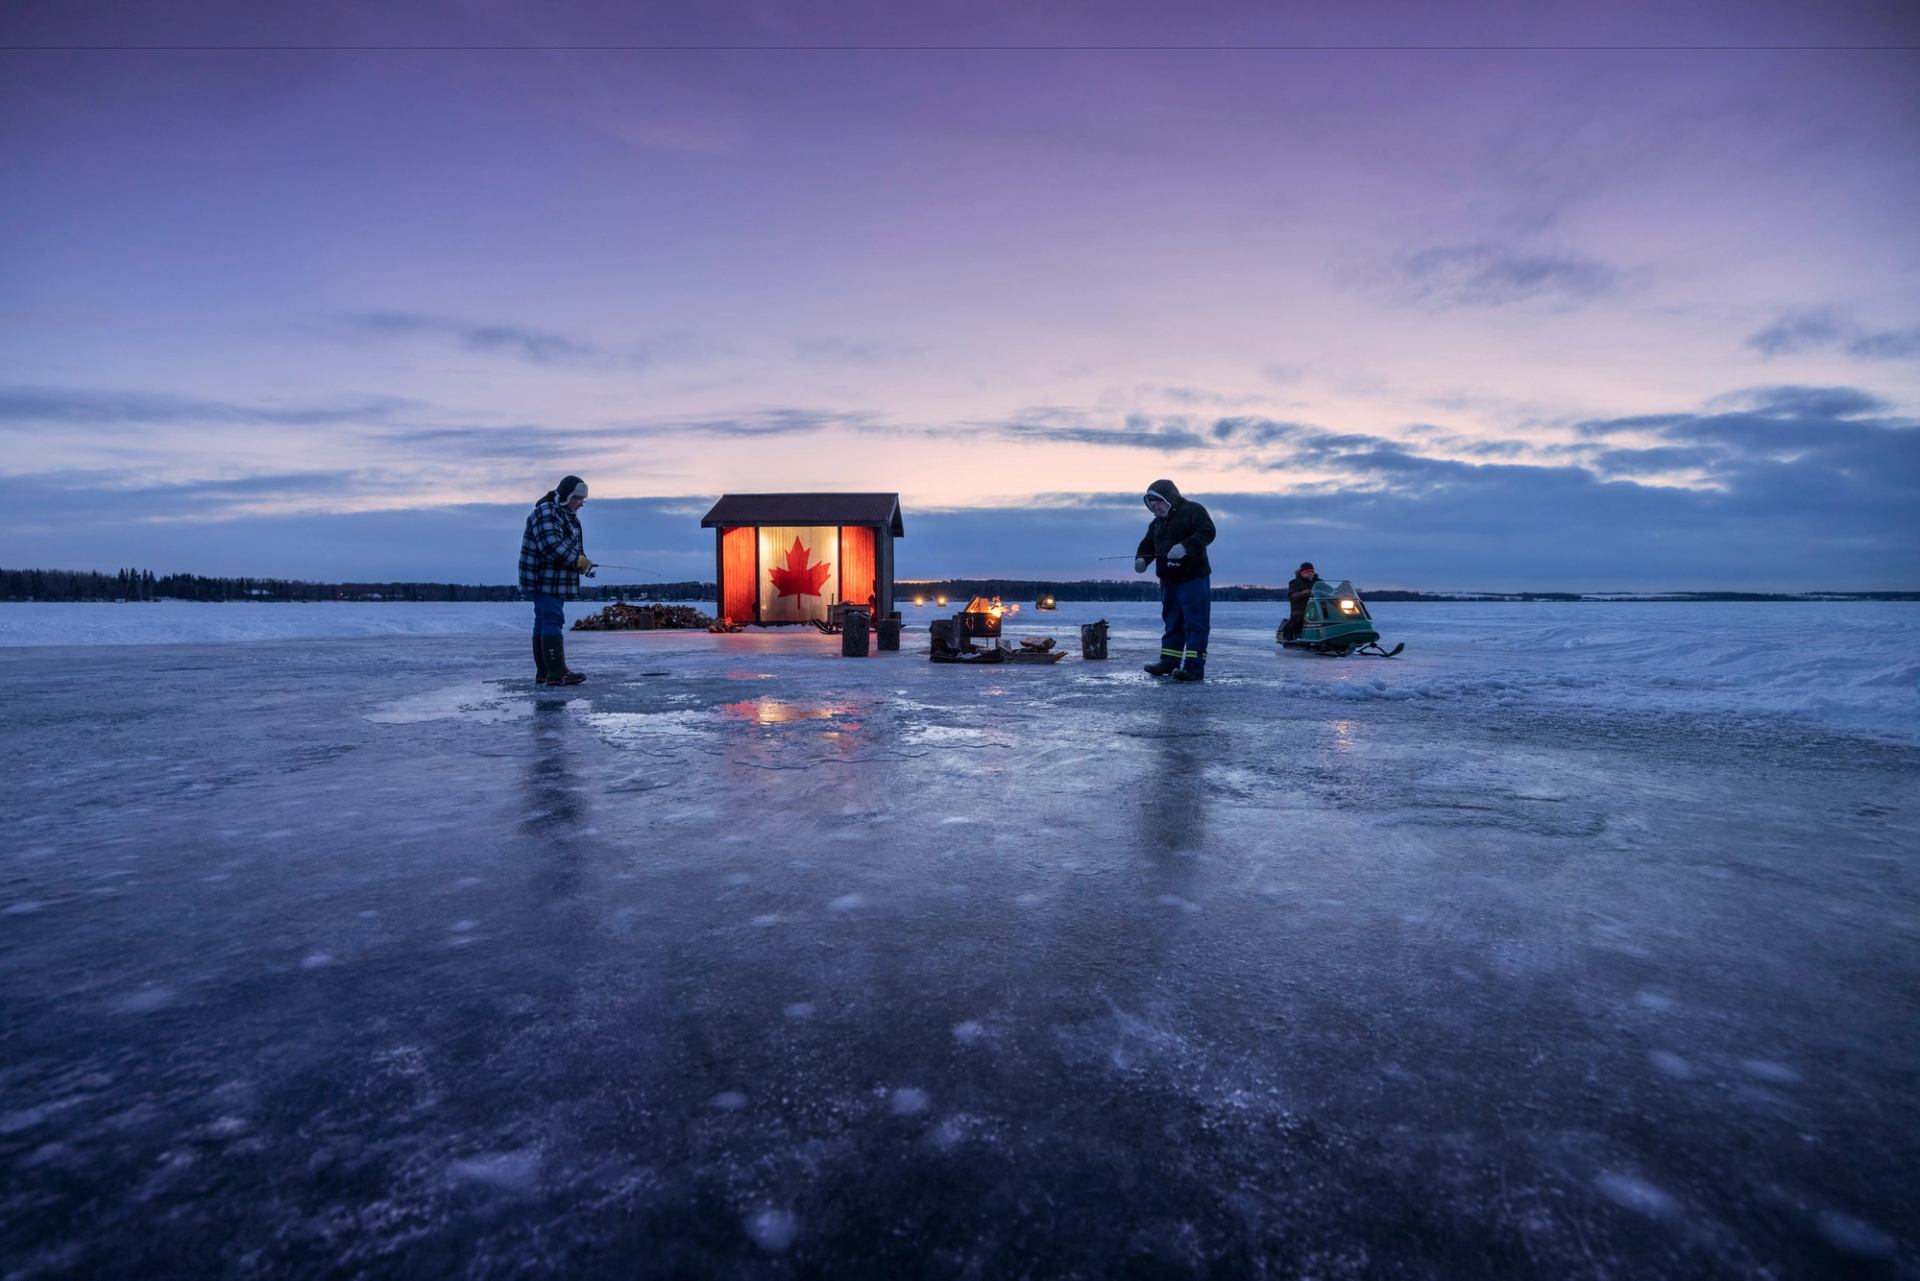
[(554, 808), (1299, 592), (553, 555), (1176, 544)]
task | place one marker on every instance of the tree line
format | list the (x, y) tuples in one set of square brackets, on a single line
[(1085, 589), (144, 585)]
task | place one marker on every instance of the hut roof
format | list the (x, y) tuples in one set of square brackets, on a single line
[(879, 510)]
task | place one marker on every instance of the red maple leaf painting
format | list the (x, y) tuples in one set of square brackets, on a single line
[(799, 578)]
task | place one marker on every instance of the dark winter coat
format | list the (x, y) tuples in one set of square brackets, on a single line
[(1299, 592), (550, 551), (1187, 523)]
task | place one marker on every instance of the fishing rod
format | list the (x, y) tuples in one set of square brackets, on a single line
[(632, 569)]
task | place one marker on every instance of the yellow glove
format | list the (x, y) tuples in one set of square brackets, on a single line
[(585, 564)]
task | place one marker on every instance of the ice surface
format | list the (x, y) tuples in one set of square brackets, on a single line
[(176, 622), (1549, 949), (1848, 665)]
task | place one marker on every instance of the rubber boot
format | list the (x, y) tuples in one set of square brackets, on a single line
[(1191, 672), (1162, 668), (557, 671), (539, 659)]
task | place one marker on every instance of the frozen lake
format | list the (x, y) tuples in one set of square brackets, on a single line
[(1579, 941)]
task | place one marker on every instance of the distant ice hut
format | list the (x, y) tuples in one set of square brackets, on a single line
[(790, 558)]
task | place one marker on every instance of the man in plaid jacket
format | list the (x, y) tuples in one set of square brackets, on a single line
[(553, 555)]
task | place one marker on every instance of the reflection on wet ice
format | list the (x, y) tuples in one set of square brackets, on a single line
[(774, 711)]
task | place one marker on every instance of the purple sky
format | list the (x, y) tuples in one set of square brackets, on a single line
[(1445, 317)]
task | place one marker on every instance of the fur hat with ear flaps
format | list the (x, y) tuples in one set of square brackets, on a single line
[(569, 488)]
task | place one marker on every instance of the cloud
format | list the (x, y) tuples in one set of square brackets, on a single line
[(1816, 453), (1890, 344), (1785, 487), (1797, 333), (540, 442), (530, 444), (1661, 460), (1808, 402), (1495, 275), (1135, 431), (776, 422), (535, 346), (473, 543), (1256, 431), (1443, 524), (516, 342), (72, 499), (1197, 397), (78, 407)]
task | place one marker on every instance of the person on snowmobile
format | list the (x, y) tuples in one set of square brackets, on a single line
[(553, 555), (1299, 592), (1176, 545)]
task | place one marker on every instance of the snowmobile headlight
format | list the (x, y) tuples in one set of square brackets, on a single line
[(1349, 606)]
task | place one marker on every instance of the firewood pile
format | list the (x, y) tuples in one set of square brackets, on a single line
[(1035, 649), (951, 643), (622, 617)]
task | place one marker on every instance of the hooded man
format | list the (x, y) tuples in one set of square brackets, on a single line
[(553, 555), (1299, 592), (1176, 545)]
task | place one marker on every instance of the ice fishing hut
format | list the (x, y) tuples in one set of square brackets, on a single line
[(790, 558)]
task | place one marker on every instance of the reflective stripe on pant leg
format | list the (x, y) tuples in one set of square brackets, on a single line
[(1173, 639)]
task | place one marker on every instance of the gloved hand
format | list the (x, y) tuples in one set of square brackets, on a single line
[(1176, 553), (1139, 564), (585, 564)]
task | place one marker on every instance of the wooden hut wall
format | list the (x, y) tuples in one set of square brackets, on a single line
[(739, 573), (856, 564)]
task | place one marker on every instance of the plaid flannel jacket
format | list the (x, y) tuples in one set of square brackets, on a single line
[(550, 551)]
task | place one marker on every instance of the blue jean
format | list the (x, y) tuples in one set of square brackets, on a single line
[(1186, 611), (549, 615)]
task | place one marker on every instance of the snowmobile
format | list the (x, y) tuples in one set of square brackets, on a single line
[(1337, 623)]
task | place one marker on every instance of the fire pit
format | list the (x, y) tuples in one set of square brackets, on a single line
[(980, 620)]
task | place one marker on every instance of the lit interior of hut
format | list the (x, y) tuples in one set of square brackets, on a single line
[(796, 573)]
